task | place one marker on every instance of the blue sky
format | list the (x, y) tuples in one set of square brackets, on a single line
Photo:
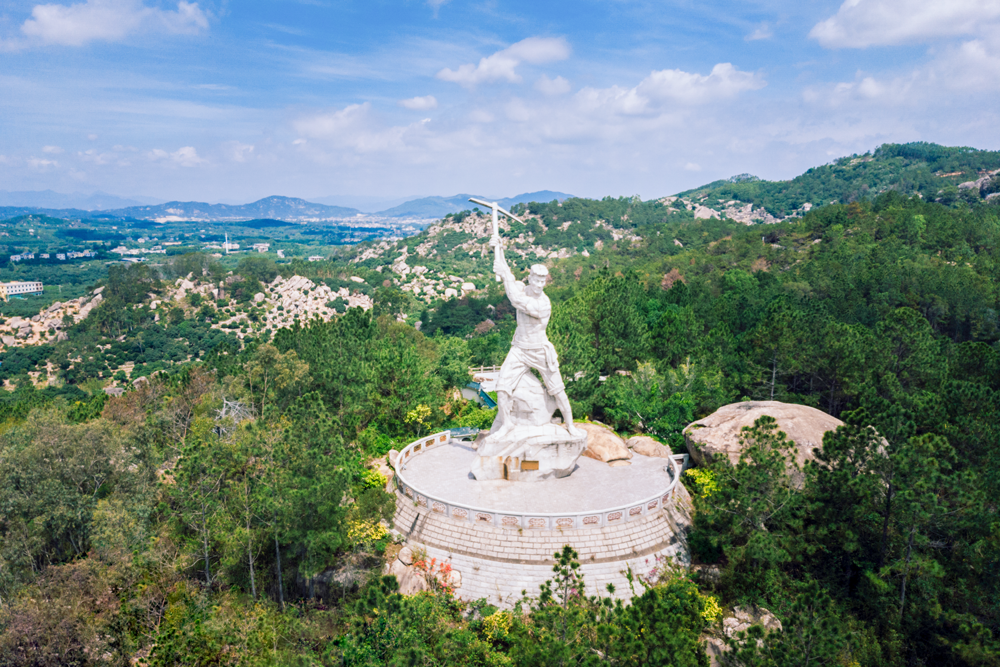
[(233, 101)]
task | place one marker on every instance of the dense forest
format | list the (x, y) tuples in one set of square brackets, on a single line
[(230, 511)]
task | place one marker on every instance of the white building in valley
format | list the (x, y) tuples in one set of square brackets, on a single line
[(19, 288)]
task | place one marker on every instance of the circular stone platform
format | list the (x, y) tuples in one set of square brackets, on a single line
[(502, 535), (594, 486)]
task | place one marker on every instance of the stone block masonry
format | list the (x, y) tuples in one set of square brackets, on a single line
[(499, 563)]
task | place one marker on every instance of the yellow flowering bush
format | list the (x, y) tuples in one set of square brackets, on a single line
[(496, 626), (373, 479), (711, 611), (365, 533), (704, 480)]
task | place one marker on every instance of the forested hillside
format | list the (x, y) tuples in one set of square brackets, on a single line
[(228, 511), (933, 172)]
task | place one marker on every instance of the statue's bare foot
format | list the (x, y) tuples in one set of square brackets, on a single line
[(578, 432)]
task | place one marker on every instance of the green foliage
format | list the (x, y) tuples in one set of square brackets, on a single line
[(753, 512)]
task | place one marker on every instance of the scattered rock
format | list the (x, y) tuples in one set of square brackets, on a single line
[(619, 462), (393, 455), (719, 433), (643, 444), (454, 579), (405, 556), (62, 336), (411, 580), (8, 340), (468, 287), (708, 574), (744, 617), (740, 621), (603, 444), (258, 297)]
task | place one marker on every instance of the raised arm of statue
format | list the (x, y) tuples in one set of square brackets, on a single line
[(500, 263)]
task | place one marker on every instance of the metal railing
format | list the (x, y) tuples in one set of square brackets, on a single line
[(601, 518)]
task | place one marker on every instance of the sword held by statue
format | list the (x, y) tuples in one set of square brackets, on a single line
[(495, 240)]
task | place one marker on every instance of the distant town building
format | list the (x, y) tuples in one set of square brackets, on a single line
[(61, 256), (44, 255), (17, 288), (133, 260), (171, 243), (281, 254), (261, 247), (122, 250), (228, 247), (316, 258), (157, 250), (22, 257)]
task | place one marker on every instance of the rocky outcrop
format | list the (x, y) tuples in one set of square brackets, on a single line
[(643, 444), (741, 620), (719, 433), (603, 444), (413, 576)]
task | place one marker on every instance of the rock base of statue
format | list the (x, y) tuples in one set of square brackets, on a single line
[(530, 447)]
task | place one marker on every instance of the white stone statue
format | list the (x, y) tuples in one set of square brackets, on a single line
[(524, 443)]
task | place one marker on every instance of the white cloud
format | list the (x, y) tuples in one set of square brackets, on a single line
[(52, 150), (353, 127), (109, 20), (333, 124), (763, 31), (92, 136), (238, 151), (968, 68), (183, 157), (672, 86), (420, 103), (40, 163), (692, 166), (502, 65), (481, 116), (96, 157), (863, 23), (556, 86)]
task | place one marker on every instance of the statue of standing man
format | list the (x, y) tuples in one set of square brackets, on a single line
[(523, 443), (530, 347)]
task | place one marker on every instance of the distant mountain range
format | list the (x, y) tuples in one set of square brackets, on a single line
[(276, 208), (48, 199), (436, 207)]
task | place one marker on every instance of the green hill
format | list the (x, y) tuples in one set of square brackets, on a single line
[(931, 171)]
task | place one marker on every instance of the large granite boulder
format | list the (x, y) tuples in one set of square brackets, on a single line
[(719, 433), (643, 444), (604, 444)]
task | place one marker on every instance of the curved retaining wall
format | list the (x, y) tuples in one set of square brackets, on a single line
[(540, 520), (499, 561)]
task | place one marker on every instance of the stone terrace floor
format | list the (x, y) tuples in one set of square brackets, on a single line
[(443, 472)]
